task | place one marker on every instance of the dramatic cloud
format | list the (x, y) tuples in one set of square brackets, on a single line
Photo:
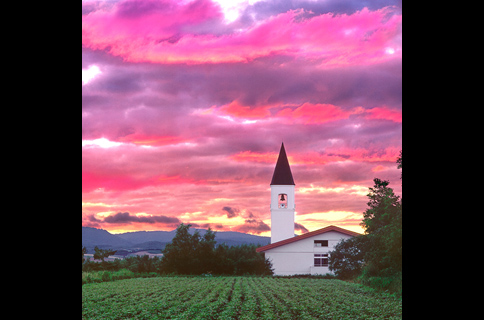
[(300, 227), (231, 212), (124, 217), (185, 105), (253, 226), (160, 33)]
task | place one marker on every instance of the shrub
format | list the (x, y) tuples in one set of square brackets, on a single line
[(106, 276), (123, 274), (391, 283)]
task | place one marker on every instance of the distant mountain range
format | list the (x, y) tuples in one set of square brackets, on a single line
[(156, 240)]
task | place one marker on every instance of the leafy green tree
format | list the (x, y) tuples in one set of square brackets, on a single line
[(383, 225), (244, 259), (102, 253), (377, 253), (206, 252), (195, 254), (180, 255), (223, 263), (84, 251), (384, 206), (347, 257)]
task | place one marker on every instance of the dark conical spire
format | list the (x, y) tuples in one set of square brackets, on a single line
[(282, 173)]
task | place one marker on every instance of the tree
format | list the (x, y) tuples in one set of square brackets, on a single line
[(194, 254), (347, 257), (179, 254), (377, 253), (84, 251), (383, 206), (101, 253), (206, 252), (383, 225)]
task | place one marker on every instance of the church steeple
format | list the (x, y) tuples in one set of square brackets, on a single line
[(283, 205), (282, 173)]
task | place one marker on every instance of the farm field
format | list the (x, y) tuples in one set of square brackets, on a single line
[(235, 298)]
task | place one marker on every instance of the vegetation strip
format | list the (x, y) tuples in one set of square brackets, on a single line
[(235, 297)]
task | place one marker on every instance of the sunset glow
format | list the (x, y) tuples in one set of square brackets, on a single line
[(185, 105)]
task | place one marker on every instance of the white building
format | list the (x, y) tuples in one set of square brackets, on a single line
[(291, 254)]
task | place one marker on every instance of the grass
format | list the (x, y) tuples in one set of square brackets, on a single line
[(235, 298)]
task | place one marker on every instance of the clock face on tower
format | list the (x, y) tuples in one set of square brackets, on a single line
[(282, 201)]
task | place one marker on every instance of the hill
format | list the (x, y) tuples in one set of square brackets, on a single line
[(92, 237), (144, 240)]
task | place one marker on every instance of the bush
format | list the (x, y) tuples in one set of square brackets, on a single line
[(90, 277), (391, 284), (104, 276), (123, 274)]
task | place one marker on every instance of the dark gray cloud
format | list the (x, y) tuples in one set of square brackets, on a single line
[(253, 226), (125, 217), (231, 212), (300, 227)]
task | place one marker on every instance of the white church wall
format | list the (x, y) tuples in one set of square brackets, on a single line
[(298, 257)]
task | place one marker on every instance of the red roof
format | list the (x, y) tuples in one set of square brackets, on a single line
[(307, 235)]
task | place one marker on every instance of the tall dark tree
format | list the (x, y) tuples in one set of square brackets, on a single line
[(383, 225), (84, 251), (180, 255), (384, 206), (102, 253), (206, 252), (378, 253)]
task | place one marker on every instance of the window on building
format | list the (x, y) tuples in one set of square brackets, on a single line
[(321, 260), (320, 243)]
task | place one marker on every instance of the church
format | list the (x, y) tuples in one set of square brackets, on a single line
[(291, 254)]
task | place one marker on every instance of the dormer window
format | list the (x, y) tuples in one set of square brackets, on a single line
[(320, 243), (282, 201)]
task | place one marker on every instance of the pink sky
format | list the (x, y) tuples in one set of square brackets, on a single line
[(186, 103)]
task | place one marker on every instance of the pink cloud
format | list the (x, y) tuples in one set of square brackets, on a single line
[(378, 168), (388, 154), (255, 157), (118, 182), (319, 113), (315, 113), (236, 109), (358, 39), (152, 140), (384, 113), (307, 113), (127, 182)]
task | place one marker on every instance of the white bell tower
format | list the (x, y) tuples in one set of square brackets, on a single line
[(283, 206)]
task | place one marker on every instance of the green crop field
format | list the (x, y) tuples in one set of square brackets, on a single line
[(235, 298)]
